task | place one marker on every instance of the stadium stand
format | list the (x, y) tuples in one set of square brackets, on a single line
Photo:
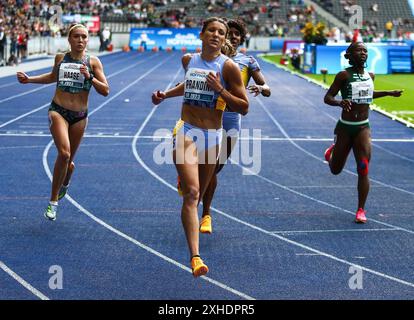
[(377, 15)]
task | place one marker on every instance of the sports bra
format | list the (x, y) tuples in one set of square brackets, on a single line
[(358, 88), (70, 79), (196, 91)]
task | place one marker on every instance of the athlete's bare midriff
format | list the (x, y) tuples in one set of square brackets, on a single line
[(359, 112), (72, 101), (204, 118)]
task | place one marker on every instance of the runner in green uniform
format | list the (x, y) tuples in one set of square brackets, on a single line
[(353, 130)]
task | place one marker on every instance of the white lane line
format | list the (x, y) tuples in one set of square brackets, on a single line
[(47, 104), (24, 115), (26, 92), (8, 270), (295, 243), (134, 150), (332, 230), (23, 282), (7, 85), (132, 240), (315, 199), (319, 109), (18, 133), (123, 235), (394, 153), (318, 158)]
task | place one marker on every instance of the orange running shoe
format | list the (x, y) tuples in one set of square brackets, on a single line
[(205, 224), (198, 267), (179, 190), (360, 216), (328, 152)]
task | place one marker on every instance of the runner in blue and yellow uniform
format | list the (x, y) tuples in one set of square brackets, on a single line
[(75, 73), (249, 68), (353, 130), (197, 136)]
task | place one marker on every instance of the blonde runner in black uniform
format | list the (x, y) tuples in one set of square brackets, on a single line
[(75, 73)]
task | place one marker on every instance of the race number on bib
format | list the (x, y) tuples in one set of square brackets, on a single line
[(70, 75), (196, 87), (362, 92)]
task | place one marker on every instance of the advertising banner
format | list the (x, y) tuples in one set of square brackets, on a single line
[(164, 38), (93, 23), (382, 58)]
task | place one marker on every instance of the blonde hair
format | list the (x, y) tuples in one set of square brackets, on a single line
[(76, 26)]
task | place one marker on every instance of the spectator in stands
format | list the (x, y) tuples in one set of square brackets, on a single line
[(295, 59), (389, 26), (101, 41), (106, 37), (13, 44)]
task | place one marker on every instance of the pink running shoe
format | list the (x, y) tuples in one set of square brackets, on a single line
[(328, 152), (360, 216)]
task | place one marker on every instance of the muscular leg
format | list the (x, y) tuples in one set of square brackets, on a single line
[(206, 170), (76, 132), (59, 130), (211, 188), (187, 169), (362, 150)]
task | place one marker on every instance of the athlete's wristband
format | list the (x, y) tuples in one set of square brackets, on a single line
[(91, 76)]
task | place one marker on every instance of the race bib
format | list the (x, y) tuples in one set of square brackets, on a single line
[(70, 75), (362, 92), (196, 87)]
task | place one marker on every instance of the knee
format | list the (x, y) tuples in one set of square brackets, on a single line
[(363, 167), (191, 195), (64, 155), (335, 171)]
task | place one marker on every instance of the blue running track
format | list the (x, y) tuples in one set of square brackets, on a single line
[(285, 231)]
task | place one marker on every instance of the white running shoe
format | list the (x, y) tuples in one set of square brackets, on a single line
[(51, 212)]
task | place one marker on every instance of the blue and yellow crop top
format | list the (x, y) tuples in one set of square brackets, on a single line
[(359, 88), (70, 79), (196, 91), (247, 65)]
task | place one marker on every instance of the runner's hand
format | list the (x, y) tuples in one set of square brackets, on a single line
[(158, 97), (255, 89), (396, 93), (85, 71), (213, 82), (22, 77), (346, 105)]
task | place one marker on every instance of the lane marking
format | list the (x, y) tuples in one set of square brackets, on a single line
[(130, 239), (23, 282)]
